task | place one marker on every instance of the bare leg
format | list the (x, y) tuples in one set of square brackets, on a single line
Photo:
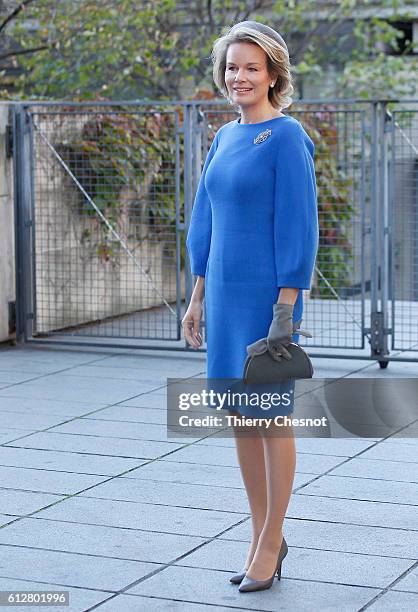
[(280, 461), (250, 453)]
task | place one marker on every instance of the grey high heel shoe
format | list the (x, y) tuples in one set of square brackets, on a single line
[(237, 578), (249, 584)]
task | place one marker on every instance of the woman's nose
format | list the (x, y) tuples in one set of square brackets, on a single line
[(240, 76)]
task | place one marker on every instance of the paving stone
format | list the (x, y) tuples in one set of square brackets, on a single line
[(213, 587), (300, 480), (409, 582), (135, 603), (80, 599), (378, 469), (44, 360), (227, 456), (104, 370), (136, 515), (8, 377), (219, 439), (311, 564), (47, 481), (338, 447), (96, 445), (363, 489), (393, 452), (189, 473), (63, 461), (127, 414), (156, 362), (78, 388), (307, 463), (117, 429), (23, 502), (325, 535), (352, 512), (147, 400), (171, 494), (6, 518), (182, 500), (30, 421), (393, 601), (381, 541), (26, 405), (68, 569), (30, 365), (7, 434), (133, 544)]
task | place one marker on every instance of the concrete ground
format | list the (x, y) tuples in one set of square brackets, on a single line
[(96, 500)]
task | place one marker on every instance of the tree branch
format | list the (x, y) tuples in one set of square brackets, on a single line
[(14, 13), (23, 52)]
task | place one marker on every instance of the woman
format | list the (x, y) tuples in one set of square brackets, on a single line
[(252, 243)]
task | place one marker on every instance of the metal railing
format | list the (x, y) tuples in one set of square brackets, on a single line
[(103, 197)]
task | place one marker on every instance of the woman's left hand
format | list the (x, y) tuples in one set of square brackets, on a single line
[(280, 332)]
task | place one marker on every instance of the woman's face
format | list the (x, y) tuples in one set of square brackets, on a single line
[(246, 68)]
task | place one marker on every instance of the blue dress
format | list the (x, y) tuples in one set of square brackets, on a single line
[(253, 229)]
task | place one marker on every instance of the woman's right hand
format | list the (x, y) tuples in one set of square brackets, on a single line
[(190, 324)]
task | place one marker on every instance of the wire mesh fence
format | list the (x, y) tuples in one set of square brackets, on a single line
[(403, 223), (105, 193), (105, 209)]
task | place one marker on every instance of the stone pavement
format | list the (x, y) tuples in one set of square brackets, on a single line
[(96, 500)]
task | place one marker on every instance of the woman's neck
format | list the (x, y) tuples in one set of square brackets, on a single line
[(259, 115)]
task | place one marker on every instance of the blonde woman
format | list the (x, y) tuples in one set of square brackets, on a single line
[(252, 243)]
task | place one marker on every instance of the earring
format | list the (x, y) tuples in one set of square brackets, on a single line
[(271, 84)]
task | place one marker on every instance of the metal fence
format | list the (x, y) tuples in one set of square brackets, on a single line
[(104, 193)]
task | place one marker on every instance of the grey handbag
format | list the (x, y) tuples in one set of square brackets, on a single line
[(262, 368)]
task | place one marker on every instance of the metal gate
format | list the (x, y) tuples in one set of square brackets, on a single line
[(104, 193), (99, 222)]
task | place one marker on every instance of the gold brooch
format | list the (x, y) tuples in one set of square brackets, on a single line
[(262, 136)]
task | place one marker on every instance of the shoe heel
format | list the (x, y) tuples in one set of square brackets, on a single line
[(279, 572)]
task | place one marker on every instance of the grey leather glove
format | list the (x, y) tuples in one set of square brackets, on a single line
[(281, 330), (279, 335)]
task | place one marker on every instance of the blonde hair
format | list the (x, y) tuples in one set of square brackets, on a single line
[(277, 59)]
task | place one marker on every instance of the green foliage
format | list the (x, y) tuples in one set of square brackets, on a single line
[(116, 150), (103, 160), (335, 207), (119, 48), (124, 49), (371, 72)]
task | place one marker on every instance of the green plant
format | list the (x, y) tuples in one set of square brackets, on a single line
[(335, 207), (117, 150)]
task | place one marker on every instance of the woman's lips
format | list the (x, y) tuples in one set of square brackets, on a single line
[(243, 91)]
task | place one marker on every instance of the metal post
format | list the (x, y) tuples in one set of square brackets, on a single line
[(379, 275), (391, 234), (188, 191), (179, 225), (385, 223), (365, 231), (23, 223)]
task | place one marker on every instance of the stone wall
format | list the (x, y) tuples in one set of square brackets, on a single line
[(7, 259)]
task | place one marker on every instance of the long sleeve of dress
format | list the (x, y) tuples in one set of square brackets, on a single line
[(296, 233), (200, 227)]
